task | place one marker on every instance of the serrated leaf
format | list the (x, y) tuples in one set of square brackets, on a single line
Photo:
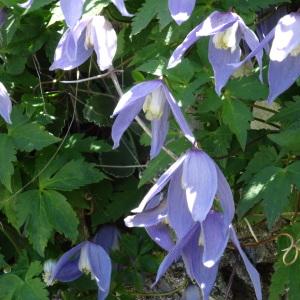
[(71, 176), (7, 157), (61, 214), (288, 139), (43, 212), (28, 136), (265, 156), (237, 116), (144, 15)]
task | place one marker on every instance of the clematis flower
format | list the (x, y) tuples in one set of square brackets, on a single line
[(3, 16), (226, 30), (154, 98), (181, 10), (5, 104), (200, 244), (87, 257), (77, 44), (200, 181)]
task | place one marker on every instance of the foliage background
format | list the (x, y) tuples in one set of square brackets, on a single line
[(60, 180)]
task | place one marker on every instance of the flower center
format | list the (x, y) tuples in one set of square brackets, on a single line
[(84, 263), (49, 266), (295, 51), (88, 43), (154, 104), (226, 39)]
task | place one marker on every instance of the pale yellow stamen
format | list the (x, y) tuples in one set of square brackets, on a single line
[(226, 39), (295, 51), (154, 105)]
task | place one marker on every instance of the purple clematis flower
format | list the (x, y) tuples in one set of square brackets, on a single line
[(201, 245), (77, 44), (87, 257), (284, 66), (197, 178), (5, 104), (156, 101), (226, 30), (3, 16), (181, 10)]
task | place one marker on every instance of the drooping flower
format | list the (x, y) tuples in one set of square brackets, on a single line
[(181, 10), (77, 44), (200, 244), (200, 181), (154, 98), (87, 257), (226, 30), (5, 104)]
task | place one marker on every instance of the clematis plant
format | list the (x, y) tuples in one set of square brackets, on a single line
[(5, 104), (155, 99), (181, 10), (78, 43), (87, 257), (226, 31)]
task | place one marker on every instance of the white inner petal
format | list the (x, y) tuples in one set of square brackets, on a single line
[(88, 43), (154, 104), (226, 39), (84, 264)]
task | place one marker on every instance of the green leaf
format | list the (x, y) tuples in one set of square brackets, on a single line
[(7, 157), (61, 214), (264, 157), (28, 136), (43, 212), (9, 284), (144, 16), (31, 210), (287, 115), (71, 176), (236, 115), (288, 139)]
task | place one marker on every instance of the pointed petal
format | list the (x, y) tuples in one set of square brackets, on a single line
[(70, 52), (221, 61), (205, 277), (180, 218), (226, 198), (160, 184), (286, 37), (215, 236), (5, 104), (161, 235), (102, 295), (199, 178), (100, 265), (257, 50), (72, 10), (148, 217), (140, 90), (124, 119), (68, 261), (181, 10), (254, 275), (105, 41), (26, 5), (252, 41), (107, 237), (120, 5), (178, 115), (159, 129), (215, 22), (176, 251), (282, 75)]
